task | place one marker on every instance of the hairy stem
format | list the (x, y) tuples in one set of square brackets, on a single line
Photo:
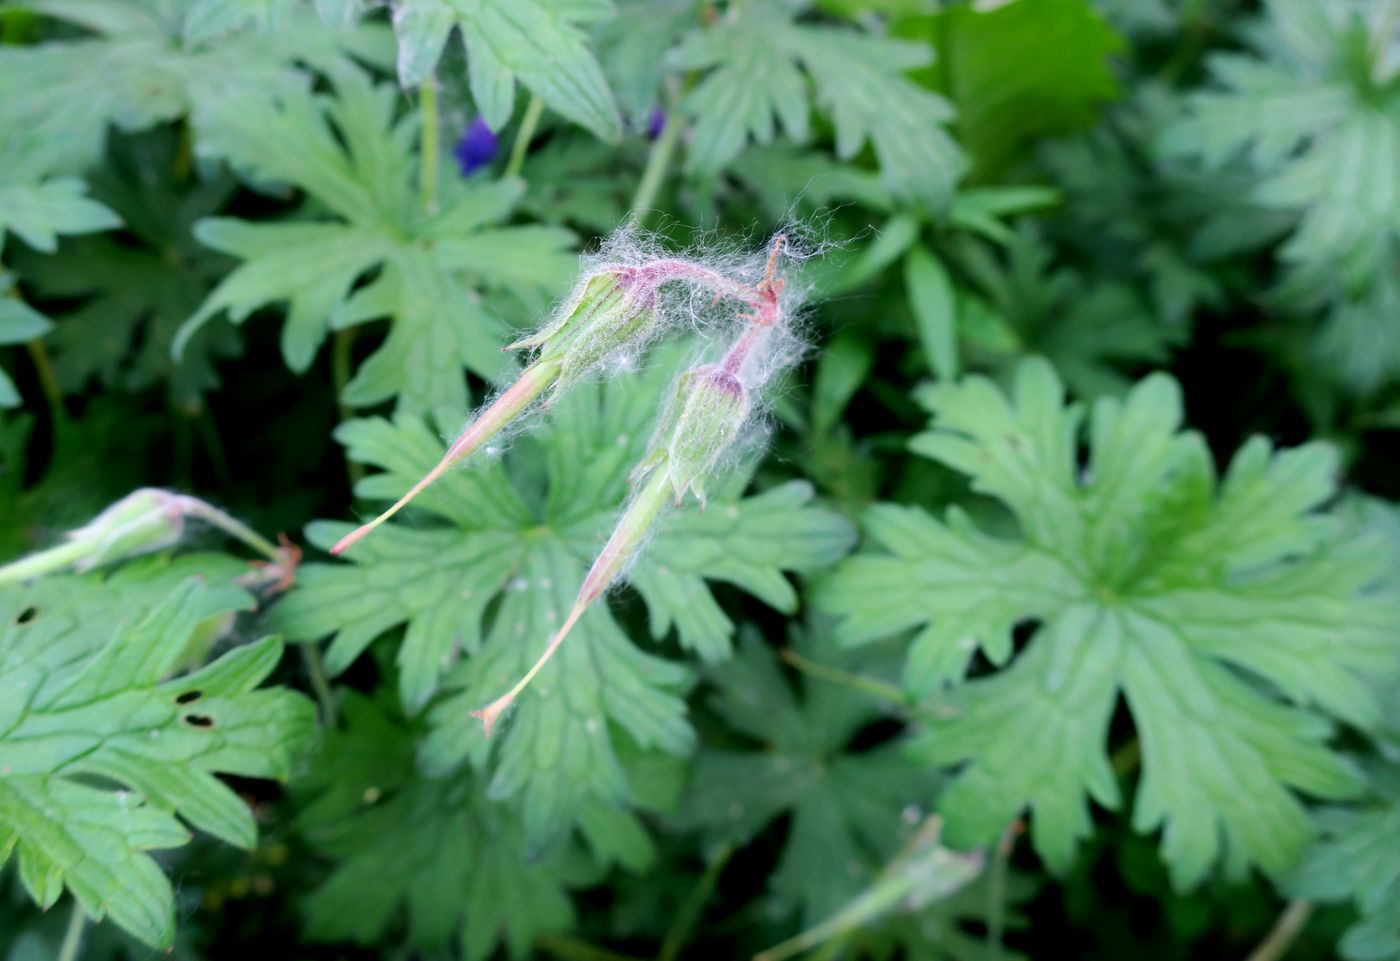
[(523, 136), (234, 528), (48, 380), (341, 345), (858, 682), (1285, 931), (34, 566), (428, 147)]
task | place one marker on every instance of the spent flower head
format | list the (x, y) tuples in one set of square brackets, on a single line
[(629, 295), (709, 408), (705, 416), (147, 520)]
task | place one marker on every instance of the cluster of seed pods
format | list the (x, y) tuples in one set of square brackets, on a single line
[(617, 310)]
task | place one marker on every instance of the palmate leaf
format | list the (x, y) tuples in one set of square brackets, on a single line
[(354, 159), (126, 296), (1153, 218), (850, 811), (759, 62), (87, 698), (528, 544), (1235, 618), (538, 42), (435, 856), (1090, 328)]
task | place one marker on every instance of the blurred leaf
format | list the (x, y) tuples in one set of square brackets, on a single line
[(537, 42), (931, 298), (351, 156), (761, 61), (1021, 70)]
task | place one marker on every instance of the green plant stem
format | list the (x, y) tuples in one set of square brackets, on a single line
[(316, 673), (996, 895), (523, 136), (1384, 29), (694, 905), (1126, 759), (236, 529), (868, 685), (341, 345), (73, 936), (36, 565), (428, 147), (48, 381), (1285, 931), (208, 433), (573, 950), (658, 163)]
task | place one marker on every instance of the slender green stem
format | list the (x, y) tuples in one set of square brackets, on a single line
[(833, 948), (316, 672), (1384, 31), (1285, 931), (341, 346), (235, 528), (73, 937), (690, 912), (36, 565), (868, 685), (427, 106), (523, 136), (571, 949), (208, 433), (48, 380), (658, 163), (996, 895), (1126, 759)]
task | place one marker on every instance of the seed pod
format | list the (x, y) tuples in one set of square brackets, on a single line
[(143, 521), (612, 311), (609, 313), (707, 411)]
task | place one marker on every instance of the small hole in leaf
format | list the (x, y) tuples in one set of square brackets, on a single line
[(199, 720), (28, 614), (189, 697)]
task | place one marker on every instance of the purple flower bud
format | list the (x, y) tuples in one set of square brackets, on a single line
[(476, 148), (656, 123)]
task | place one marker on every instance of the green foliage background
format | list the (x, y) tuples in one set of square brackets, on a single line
[(1061, 616)]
